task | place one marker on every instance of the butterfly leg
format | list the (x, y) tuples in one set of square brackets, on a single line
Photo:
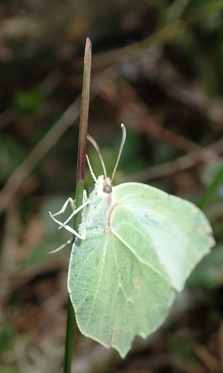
[(60, 247), (73, 206), (68, 201), (75, 211), (72, 203)]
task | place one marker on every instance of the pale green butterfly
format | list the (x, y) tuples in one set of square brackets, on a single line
[(139, 245)]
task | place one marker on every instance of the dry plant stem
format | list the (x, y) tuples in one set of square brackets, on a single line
[(81, 164), (207, 359), (169, 168)]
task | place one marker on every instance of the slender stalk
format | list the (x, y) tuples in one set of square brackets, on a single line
[(81, 164)]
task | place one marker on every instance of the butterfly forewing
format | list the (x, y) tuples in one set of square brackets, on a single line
[(180, 232)]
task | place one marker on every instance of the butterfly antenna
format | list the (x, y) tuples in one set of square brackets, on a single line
[(90, 138), (120, 150), (91, 170)]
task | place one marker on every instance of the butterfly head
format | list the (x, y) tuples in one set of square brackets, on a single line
[(104, 183), (107, 187), (102, 186)]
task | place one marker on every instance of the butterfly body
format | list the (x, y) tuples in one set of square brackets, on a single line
[(96, 214)]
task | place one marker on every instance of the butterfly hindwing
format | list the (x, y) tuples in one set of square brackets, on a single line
[(117, 285)]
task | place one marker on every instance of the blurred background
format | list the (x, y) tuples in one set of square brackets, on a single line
[(158, 68)]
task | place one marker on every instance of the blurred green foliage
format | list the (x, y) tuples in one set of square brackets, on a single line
[(28, 102), (7, 334)]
